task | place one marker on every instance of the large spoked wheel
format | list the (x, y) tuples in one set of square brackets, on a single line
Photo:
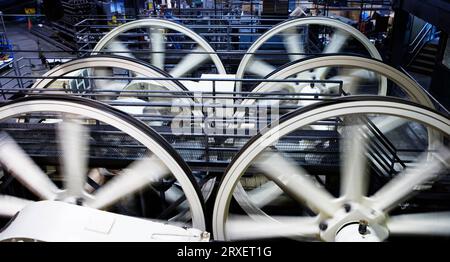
[(124, 92), (162, 36), (399, 84), (83, 133), (296, 43), (372, 198)]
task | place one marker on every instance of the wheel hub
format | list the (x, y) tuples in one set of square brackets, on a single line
[(353, 233), (354, 222)]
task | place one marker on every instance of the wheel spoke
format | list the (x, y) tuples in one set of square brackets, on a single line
[(336, 43), (105, 84), (138, 175), (264, 194), (25, 170), (259, 67), (74, 145), (117, 48), (405, 183), (10, 205), (362, 74), (295, 181), (244, 227), (388, 123), (292, 44), (158, 47), (354, 180), (431, 224), (190, 62), (252, 201), (349, 82), (173, 194)]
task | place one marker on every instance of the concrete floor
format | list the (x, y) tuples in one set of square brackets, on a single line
[(23, 39), (27, 60)]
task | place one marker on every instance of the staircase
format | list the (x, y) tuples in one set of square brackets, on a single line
[(425, 60), (49, 34)]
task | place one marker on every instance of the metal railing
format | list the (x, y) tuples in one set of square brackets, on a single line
[(425, 35), (14, 77), (203, 148), (207, 146), (223, 35)]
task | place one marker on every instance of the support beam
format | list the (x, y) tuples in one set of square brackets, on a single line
[(400, 36)]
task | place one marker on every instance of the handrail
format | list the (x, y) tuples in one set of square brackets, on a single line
[(418, 40), (426, 27), (423, 40)]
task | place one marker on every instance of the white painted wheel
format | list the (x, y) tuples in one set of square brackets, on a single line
[(158, 42), (117, 89), (158, 161), (293, 45), (396, 79), (101, 62), (318, 214)]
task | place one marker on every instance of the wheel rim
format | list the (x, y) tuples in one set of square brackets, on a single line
[(331, 207), (94, 62), (123, 122)]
